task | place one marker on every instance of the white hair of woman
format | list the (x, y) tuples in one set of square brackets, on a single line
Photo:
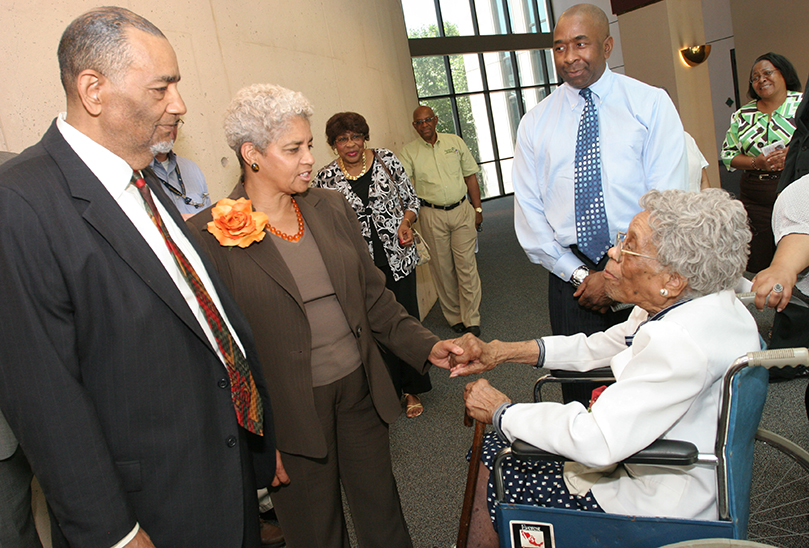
[(703, 236), (259, 113)]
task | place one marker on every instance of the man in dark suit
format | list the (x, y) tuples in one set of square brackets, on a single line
[(112, 376), (16, 520)]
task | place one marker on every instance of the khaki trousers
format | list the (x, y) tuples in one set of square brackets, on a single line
[(451, 236)]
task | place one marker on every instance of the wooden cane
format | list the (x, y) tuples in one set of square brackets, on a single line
[(471, 480)]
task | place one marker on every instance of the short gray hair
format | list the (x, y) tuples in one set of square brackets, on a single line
[(703, 236), (97, 40), (260, 113)]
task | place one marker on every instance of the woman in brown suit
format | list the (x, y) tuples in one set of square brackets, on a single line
[(297, 264)]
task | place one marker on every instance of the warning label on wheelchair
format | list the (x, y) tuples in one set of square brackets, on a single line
[(531, 534)]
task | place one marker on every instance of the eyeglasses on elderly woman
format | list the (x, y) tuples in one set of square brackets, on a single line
[(344, 139), (619, 248)]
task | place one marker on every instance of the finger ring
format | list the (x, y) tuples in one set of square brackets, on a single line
[(777, 288)]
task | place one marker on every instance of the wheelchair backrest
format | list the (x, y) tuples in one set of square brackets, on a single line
[(745, 391)]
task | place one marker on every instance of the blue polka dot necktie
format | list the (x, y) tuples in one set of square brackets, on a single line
[(592, 229)]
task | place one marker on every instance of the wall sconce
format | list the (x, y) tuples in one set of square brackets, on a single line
[(695, 55)]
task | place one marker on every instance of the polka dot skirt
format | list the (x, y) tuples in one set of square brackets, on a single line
[(531, 482)]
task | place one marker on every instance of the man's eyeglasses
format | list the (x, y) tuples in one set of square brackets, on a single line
[(356, 137), (764, 74), (423, 121), (619, 246)]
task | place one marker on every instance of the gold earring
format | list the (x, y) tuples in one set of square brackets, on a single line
[(254, 167)]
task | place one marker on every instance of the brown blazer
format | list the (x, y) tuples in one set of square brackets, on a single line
[(265, 290)]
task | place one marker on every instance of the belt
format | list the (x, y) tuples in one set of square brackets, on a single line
[(444, 207), (763, 175)]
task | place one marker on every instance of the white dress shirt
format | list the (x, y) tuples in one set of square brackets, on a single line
[(642, 147), (790, 215)]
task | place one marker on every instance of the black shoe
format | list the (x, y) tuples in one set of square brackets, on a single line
[(458, 328), (473, 329)]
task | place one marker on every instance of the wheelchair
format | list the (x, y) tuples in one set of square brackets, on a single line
[(744, 394)]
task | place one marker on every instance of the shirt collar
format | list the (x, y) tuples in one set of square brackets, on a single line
[(431, 145), (600, 89), (158, 168), (112, 170)]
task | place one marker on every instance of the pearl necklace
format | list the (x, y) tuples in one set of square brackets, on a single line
[(284, 235), (345, 171)]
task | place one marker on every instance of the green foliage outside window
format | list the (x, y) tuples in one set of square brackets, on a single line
[(431, 80)]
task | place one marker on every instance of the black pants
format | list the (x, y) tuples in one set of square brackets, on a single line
[(758, 198), (568, 318), (405, 378)]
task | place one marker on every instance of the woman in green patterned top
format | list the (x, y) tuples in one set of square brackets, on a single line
[(757, 142)]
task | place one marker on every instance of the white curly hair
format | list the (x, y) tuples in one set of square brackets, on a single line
[(260, 113), (703, 236)]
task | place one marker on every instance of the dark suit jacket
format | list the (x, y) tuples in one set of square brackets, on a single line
[(266, 291), (796, 164), (119, 401)]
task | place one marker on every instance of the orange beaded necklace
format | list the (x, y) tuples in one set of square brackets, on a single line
[(284, 235)]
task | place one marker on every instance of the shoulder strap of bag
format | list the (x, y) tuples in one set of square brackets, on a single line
[(392, 180)]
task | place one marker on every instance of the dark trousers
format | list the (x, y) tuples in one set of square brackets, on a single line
[(310, 508), (568, 318), (405, 379), (758, 198)]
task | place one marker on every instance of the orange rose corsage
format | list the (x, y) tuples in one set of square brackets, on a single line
[(236, 224)]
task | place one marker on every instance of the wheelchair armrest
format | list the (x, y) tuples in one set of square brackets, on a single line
[(660, 452), (668, 452), (597, 373), (602, 375)]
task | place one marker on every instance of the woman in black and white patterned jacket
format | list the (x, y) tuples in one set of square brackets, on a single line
[(375, 184)]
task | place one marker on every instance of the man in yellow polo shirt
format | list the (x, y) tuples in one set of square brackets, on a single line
[(443, 172)]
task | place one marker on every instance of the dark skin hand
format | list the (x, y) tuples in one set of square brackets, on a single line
[(592, 294), (141, 540), (281, 476), (482, 400)]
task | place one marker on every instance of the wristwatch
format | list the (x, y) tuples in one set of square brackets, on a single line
[(478, 210), (578, 275)]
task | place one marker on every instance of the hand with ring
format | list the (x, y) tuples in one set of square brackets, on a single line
[(769, 291)]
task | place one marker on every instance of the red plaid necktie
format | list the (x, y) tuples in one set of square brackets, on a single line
[(246, 399)]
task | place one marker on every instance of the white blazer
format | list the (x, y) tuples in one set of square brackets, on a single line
[(668, 384)]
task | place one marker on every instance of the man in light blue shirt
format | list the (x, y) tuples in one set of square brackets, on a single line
[(642, 147), (182, 179)]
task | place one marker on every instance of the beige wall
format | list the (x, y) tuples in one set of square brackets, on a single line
[(341, 55), (780, 27), (652, 38)]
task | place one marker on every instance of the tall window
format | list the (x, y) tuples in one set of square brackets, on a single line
[(467, 73)]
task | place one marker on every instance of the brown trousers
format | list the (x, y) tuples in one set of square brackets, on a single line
[(310, 508)]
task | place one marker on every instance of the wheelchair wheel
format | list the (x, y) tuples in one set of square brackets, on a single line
[(779, 494)]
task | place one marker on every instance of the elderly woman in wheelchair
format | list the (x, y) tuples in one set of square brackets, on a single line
[(678, 264)]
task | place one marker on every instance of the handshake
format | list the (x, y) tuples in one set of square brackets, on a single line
[(468, 355)]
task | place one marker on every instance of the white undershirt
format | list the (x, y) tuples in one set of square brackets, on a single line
[(115, 175)]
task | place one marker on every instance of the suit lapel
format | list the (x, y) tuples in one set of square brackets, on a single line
[(266, 255), (100, 210), (319, 219)]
